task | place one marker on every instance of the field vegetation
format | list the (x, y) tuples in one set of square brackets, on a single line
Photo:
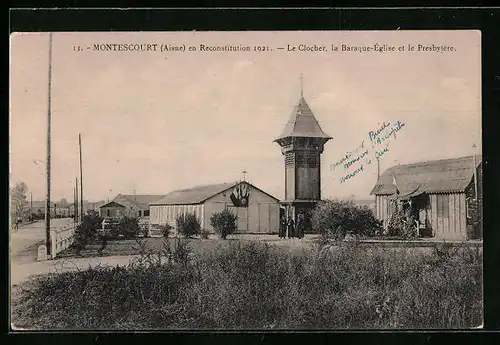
[(258, 286)]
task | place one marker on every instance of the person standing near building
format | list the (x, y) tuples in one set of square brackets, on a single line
[(291, 228), (282, 230), (300, 225), (18, 222)]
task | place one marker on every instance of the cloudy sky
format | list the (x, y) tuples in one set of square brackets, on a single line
[(160, 121)]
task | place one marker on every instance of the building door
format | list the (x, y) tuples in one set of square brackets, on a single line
[(242, 218), (242, 214)]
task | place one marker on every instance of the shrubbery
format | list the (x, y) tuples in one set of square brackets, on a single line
[(224, 223), (90, 231), (337, 218), (402, 224), (256, 286), (188, 224), (87, 231), (128, 227)]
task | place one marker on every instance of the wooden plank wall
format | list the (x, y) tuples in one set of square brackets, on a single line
[(434, 222), (381, 208), (161, 214), (451, 227)]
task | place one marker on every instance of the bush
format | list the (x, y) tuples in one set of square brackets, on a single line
[(402, 224), (224, 223), (87, 231), (336, 218), (188, 224), (128, 227)]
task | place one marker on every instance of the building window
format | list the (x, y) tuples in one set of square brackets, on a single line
[(140, 213), (146, 213), (443, 206), (108, 213)]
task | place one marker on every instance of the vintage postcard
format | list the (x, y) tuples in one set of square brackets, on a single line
[(288, 180)]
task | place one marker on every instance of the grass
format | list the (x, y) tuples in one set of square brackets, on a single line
[(255, 286)]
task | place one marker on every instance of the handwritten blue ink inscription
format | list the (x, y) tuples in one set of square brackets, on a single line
[(351, 175), (354, 161)]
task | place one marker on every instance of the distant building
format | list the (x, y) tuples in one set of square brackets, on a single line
[(258, 212), (440, 194), (36, 210), (137, 205), (88, 206), (112, 209)]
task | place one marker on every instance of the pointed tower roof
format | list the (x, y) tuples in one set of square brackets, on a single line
[(302, 123)]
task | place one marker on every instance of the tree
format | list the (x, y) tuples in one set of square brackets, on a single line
[(63, 203), (128, 227), (224, 223), (18, 198), (188, 224), (86, 232)]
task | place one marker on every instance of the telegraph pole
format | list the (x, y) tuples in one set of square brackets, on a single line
[(81, 176), (74, 209), (31, 207), (77, 214), (47, 206)]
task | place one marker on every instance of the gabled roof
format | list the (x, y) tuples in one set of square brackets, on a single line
[(112, 204), (199, 194), (139, 199), (439, 176), (302, 123)]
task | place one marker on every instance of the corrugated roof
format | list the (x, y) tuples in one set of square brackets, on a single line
[(199, 194), (302, 123), (195, 195), (139, 199), (439, 176)]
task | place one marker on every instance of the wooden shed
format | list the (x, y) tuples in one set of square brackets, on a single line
[(112, 209), (137, 205), (441, 195), (259, 213)]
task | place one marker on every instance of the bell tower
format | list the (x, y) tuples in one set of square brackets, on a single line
[(302, 143)]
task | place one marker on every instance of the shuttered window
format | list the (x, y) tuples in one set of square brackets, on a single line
[(443, 206)]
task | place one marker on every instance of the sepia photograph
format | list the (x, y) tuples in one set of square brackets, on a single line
[(246, 180)]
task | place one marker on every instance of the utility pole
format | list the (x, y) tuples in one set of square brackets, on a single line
[(81, 176), (378, 168), (31, 206), (49, 114), (74, 209), (77, 208)]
